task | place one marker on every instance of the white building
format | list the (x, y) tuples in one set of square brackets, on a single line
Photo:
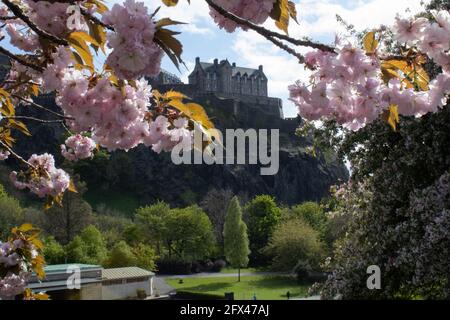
[(126, 283)]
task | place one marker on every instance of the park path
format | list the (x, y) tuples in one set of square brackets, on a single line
[(222, 275)]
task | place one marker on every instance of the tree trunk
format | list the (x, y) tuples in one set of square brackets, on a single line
[(239, 274)]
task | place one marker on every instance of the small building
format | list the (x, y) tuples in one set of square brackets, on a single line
[(126, 283), (70, 282)]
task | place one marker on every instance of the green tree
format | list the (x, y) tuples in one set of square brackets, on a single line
[(189, 234), (235, 237), (88, 247), (313, 214), (11, 213), (121, 255), (186, 233), (145, 256), (64, 222), (263, 215), (53, 251), (294, 241), (152, 221)]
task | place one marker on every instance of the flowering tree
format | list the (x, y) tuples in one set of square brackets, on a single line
[(111, 106)]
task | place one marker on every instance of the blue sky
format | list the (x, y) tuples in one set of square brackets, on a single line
[(317, 18)]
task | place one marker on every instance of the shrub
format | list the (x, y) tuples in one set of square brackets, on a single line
[(218, 265), (173, 266)]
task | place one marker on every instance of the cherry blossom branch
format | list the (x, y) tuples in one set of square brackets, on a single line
[(286, 48), (36, 105), (20, 14), (268, 33), (95, 19), (35, 119), (20, 60), (18, 157)]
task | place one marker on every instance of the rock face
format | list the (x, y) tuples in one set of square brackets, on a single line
[(301, 177), (149, 176)]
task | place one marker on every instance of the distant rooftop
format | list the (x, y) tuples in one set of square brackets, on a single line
[(57, 268), (125, 273)]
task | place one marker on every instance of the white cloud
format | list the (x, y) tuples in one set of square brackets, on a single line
[(196, 15), (317, 21)]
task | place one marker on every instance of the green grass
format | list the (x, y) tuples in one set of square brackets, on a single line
[(246, 270), (265, 287), (123, 202)]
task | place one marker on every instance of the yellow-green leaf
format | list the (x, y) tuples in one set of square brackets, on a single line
[(19, 126), (370, 42), (281, 13), (26, 227), (391, 116), (81, 48), (72, 187)]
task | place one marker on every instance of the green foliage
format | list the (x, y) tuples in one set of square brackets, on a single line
[(53, 251), (189, 233), (145, 256), (152, 221), (113, 227), (121, 255), (88, 247), (263, 215), (11, 213), (235, 236), (294, 241), (69, 219), (186, 233), (314, 215)]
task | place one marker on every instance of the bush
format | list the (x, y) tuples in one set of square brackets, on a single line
[(294, 241), (173, 266), (218, 265)]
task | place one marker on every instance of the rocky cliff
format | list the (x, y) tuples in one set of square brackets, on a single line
[(148, 176)]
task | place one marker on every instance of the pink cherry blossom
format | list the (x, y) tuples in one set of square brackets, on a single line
[(256, 11), (78, 147)]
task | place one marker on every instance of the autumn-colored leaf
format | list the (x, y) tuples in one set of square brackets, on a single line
[(72, 187), (391, 116), (25, 227), (370, 43), (281, 14)]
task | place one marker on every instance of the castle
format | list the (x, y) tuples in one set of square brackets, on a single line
[(242, 87)]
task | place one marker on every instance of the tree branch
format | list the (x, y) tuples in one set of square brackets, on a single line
[(268, 33), (95, 19), (36, 105), (12, 152), (35, 119), (21, 60), (20, 14)]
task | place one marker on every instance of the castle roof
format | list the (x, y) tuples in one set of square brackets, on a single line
[(207, 66)]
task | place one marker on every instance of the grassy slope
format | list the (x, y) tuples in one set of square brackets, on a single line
[(123, 202), (265, 287)]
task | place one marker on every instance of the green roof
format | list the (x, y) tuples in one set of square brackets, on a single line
[(63, 267)]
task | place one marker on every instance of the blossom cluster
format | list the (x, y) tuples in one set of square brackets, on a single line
[(430, 38), (347, 85), (78, 147), (4, 155), (256, 11), (117, 118), (13, 283), (51, 16), (45, 178), (134, 53)]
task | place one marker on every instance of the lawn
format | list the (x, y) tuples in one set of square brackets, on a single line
[(265, 287), (124, 202)]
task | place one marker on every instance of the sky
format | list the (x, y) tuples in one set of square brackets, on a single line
[(317, 20)]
